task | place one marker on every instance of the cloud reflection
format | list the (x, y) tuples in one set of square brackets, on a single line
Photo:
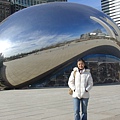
[(41, 26), (19, 47)]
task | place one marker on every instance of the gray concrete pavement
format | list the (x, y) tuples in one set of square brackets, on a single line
[(56, 104)]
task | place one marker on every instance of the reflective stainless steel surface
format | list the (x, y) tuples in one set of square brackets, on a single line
[(27, 36)]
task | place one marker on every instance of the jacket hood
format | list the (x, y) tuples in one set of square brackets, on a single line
[(76, 69)]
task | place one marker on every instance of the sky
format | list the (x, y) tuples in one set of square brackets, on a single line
[(93, 3)]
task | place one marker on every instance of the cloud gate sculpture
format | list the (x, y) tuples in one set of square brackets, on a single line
[(38, 40)]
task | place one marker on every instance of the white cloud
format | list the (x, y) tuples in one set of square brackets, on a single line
[(35, 41)]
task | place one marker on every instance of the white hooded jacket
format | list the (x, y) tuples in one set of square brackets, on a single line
[(80, 82)]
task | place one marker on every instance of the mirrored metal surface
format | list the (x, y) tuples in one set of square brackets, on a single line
[(32, 39)]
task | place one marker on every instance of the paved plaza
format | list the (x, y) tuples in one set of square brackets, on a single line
[(56, 104)]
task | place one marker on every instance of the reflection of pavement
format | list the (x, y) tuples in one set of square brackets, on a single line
[(56, 104), (21, 70)]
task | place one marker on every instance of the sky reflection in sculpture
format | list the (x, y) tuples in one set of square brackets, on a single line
[(47, 24), (25, 36)]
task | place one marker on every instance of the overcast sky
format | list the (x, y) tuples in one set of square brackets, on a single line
[(93, 3)]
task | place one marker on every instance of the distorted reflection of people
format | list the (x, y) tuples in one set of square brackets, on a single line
[(81, 82)]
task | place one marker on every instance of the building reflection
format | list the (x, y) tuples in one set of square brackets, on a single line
[(1, 60), (42, 51), (107, 72), (104, 69)]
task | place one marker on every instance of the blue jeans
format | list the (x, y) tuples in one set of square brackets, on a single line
[(84, 104)]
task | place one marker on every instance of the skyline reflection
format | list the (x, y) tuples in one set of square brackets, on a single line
[(38, 40), (42, 27)]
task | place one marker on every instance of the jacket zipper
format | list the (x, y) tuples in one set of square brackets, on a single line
[(80, 85)]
